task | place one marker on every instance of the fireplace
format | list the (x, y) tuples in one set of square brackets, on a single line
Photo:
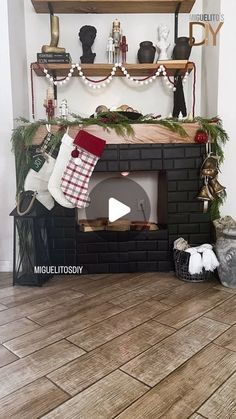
[(179, 213), (122, 186)]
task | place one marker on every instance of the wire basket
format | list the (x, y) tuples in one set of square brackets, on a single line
[(181, 261)]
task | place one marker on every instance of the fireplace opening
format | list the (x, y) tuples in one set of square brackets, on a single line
[(144, 192)]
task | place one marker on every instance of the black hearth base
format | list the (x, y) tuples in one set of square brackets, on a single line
[(124, 251), (178, 167)]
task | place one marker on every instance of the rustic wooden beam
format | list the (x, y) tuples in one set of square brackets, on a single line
[(143, 133)]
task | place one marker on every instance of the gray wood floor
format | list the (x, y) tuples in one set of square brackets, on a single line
[(127, 346)]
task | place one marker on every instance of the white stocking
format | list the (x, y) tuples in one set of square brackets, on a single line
[(38, 181), (54, 185)]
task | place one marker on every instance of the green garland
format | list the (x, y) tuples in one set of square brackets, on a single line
[(22, 137)]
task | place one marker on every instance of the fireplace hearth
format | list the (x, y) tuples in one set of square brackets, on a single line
[(179, 214)]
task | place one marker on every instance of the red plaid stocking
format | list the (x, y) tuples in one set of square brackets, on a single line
[(75, 180)]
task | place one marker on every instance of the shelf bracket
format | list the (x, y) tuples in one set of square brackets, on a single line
[(177, 20), (50, 8), (54, 75)]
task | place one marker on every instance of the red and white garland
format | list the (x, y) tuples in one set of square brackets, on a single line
[(98, 84)]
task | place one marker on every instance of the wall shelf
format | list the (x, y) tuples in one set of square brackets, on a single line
[(113, 6), (102, 70), (143, 134)]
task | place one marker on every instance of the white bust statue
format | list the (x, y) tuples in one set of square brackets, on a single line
[(163, 44)]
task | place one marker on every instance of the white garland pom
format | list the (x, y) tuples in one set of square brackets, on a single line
[(94, 85)]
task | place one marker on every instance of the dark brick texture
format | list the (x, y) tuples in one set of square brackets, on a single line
[(147, 251)]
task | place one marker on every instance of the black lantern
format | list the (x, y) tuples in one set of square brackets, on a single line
[(31, 258)]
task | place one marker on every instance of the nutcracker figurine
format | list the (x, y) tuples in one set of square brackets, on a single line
[(50, 103), (63, 108), (123, 49), (116, 35), (110, 50)]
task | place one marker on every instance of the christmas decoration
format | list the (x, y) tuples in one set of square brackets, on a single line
[(116, 35), (75, 179), (38, 182), (59, 168), (98, 84), (110, 50), (201, 137), (212, 189), (23, 135), (123, 49), (50, 103), (63, 109)]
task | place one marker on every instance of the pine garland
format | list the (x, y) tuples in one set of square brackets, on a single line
[(22, 137)]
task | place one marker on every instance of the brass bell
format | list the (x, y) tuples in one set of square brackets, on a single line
[(205, 194), (215, 187), (210, 167)]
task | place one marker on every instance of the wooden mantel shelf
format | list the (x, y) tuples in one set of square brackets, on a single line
[(143, 134), (113, 6), (103, 70)]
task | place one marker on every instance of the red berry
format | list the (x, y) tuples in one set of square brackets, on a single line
[(75, 153), (201, 137)]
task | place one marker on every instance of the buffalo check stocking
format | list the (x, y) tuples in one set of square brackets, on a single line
[(75, 180)]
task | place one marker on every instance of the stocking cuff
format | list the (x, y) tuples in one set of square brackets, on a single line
[(90, 143)]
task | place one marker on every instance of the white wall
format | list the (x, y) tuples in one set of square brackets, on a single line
[(13, 103), (210, 67), (7, 177), (226, 101), (19, 73), (155, 98)]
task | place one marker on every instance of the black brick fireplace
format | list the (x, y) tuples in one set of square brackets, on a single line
[(180, 214)]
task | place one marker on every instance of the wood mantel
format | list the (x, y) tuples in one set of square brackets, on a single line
[(112, 6), (143, 133)]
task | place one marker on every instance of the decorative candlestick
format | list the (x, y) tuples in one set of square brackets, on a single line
[(50, 103), (123, 49)]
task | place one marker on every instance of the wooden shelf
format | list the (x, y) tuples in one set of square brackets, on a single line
[(143, 134), (103, 70), (113, 6)]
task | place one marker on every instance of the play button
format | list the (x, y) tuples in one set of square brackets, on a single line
[(113, 196), (117, 210)]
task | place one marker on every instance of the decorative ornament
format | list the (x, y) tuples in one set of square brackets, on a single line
[(212, 189), (52, 48), (50, 103), (75, 153), (101, 109), (163, 44), (179, 99), (123, 49), (182, 48), (110, 50), (201, 137), (146, 52), (63, 109), (116, 35), (210, 167), (98, 84), (87, 35)]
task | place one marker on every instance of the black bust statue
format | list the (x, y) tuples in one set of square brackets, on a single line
[(87, 34)]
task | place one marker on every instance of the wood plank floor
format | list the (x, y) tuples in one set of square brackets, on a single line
[(128, 346)]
